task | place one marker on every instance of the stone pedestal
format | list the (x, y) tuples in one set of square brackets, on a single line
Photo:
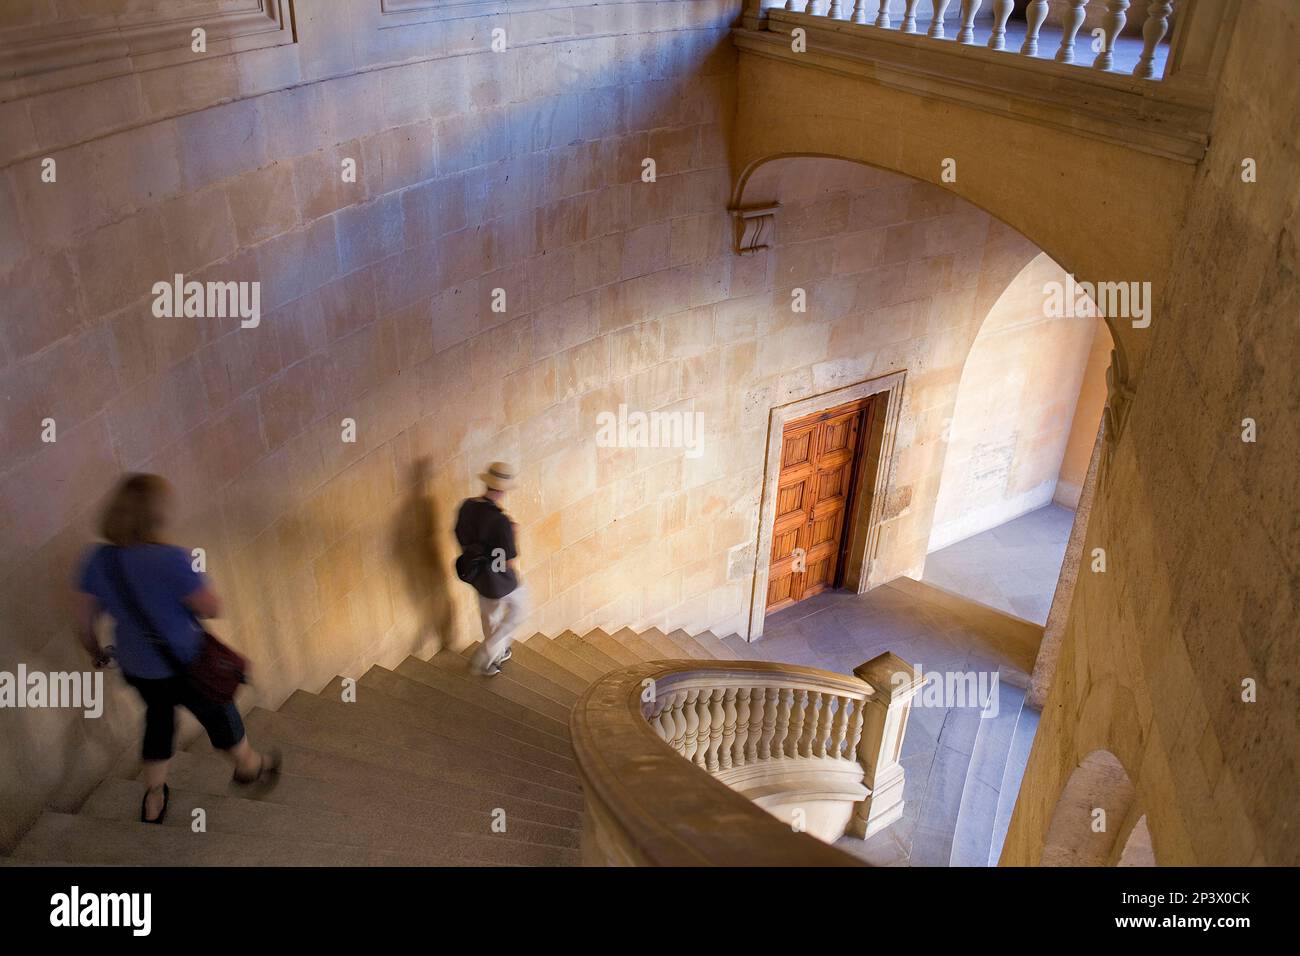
[(893, 682)]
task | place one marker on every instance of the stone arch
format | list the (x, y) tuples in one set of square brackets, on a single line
[(1010, 396), (745, 195), (1089, 813)]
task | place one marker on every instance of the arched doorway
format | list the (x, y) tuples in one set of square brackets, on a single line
[(1019, 443), (1089, 813)]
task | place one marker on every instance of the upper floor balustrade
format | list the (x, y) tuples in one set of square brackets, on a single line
[(1139, 73)]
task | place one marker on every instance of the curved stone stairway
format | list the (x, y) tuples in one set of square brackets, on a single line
[(414, 772)]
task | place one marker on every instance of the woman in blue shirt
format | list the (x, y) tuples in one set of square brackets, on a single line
[(169, 595)]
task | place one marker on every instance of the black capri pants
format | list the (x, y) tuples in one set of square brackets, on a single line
[(161, 698)]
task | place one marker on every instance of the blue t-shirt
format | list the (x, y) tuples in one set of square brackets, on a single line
[(160, 577)]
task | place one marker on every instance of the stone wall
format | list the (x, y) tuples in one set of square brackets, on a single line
[(1199, 600), (1087, 414), (477, 171)]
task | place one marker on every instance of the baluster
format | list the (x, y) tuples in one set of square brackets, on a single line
[(969, 8), (1001, 10), (824, 728), (1153, 31), (770, 708), (716, 721), (756, 709), (882, 15), (939, 8), (1071, 20), (789, 5), (835, 11), (705, 711), (859, 11), (691, 740), (818, 711), (673, 710), (799, 706), (728, 708), (659, 722), (1115, 20), (742, 726), (840, 730), (909, 17), (783, 723), (855, 729), (808, 742), (1035, 14)]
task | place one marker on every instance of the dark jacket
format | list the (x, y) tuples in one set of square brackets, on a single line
[(487, 538)]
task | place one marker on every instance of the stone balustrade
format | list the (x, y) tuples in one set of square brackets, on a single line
[(741, 746), (1067, 64), (916, 21)]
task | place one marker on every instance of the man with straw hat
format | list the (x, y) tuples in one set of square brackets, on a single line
[(487, 563)]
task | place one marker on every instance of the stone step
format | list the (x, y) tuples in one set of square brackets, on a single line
[(473, 691), (74, 838), (620, 653), (481, 731), (941, 801), (588, 652), (119, 800), (526, 677), (432, 701), (633, 641), (666, 649), (455, 764), (743, 649), (503, 685), (571, 662), (526, 655), (976, 815), (718, 648), (326, 781), (394, 722), (1022, 741), (691, 646)]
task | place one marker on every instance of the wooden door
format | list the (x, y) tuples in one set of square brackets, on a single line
[(819, 457)]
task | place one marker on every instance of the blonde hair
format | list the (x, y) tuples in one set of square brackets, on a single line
[(134, 513)]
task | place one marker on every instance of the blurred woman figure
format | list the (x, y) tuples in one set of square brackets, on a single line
[(155, 597)]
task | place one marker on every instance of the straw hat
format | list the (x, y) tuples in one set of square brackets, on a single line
[(499, 476)]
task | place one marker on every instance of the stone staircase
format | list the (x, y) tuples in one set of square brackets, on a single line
[(415, 772)]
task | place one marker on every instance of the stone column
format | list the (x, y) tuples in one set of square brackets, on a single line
[(894, 682)]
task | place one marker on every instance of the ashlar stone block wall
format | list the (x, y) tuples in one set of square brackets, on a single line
[(482, 177)]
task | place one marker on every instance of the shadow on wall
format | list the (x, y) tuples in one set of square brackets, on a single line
[(420, 557)]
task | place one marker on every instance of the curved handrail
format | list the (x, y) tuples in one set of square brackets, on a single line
[(648, 806)]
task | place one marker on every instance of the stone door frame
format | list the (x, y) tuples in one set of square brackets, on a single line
[(868, 509)]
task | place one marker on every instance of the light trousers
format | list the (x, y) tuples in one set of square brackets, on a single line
[(501, 618)]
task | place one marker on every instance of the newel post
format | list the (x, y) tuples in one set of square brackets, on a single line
[(894, 682)]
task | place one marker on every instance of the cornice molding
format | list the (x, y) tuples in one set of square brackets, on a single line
[(40, 59)]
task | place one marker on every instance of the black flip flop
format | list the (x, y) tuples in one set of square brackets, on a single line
[(144, 805)]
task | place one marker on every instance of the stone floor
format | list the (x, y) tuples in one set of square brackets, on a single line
[(957, 622), (1012, 567)]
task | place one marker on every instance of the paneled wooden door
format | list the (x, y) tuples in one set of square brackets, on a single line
[(815, 490)]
